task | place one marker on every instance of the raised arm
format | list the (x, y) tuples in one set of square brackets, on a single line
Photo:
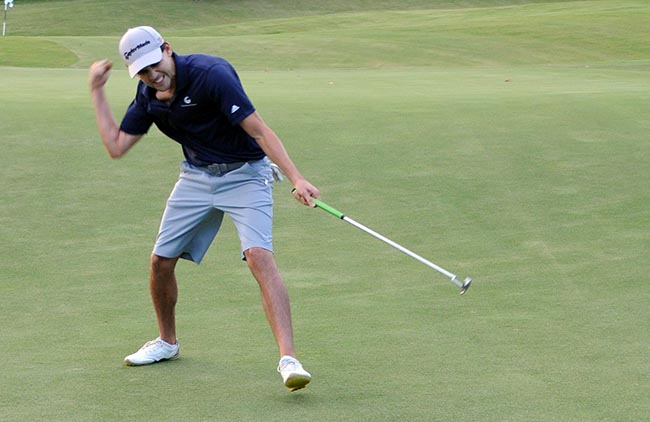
[(117, 142)]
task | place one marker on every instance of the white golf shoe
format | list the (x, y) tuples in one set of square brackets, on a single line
[(153, 351), (293, 374)]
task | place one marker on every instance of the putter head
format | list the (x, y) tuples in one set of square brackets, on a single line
[(465, 286)]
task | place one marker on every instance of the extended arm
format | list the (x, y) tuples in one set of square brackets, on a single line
[(117, 142), (273, 148)]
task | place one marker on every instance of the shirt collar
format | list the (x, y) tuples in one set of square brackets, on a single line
[(182, 70)]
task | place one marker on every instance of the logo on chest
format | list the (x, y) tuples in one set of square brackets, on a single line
[(187, 102)]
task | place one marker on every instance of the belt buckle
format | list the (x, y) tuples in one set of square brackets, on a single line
[(218, 168)]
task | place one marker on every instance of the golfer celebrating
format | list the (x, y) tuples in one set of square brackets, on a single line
[(198, 101)]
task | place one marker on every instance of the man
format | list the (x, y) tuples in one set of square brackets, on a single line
[(198, 101)]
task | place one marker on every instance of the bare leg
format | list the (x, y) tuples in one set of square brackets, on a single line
[(164, 293), (275, 297)]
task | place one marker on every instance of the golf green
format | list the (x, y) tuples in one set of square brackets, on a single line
[(502, 140)]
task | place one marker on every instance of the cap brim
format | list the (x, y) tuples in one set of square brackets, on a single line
[(148, 59)]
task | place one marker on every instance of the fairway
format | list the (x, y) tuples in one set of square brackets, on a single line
[(506, 141)]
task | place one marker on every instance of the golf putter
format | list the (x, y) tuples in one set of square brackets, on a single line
[(464, 285)]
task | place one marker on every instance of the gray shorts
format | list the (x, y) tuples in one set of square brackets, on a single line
[(196, 207)]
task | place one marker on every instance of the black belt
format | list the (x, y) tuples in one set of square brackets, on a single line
[(222, 168)]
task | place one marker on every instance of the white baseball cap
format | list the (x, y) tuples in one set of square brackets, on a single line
[(140, 47)]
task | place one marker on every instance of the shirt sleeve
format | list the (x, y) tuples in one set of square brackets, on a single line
[(136, 120), (229, 93)]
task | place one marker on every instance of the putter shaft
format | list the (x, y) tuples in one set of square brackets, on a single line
[(463, 286), (402, 249)]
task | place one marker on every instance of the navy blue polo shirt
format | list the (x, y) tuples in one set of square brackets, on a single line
[(204, 115)]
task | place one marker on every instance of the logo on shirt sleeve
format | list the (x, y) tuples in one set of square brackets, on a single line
[(234, 109)]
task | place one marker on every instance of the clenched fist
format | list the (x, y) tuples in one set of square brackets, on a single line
[(99, 73)]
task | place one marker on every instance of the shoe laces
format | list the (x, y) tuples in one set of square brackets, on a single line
[(156, 344), (288, 364)]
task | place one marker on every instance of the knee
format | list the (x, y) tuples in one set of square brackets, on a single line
[(162, 265), (258, 257)]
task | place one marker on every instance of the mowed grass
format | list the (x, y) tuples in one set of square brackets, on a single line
[(526, 172)]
